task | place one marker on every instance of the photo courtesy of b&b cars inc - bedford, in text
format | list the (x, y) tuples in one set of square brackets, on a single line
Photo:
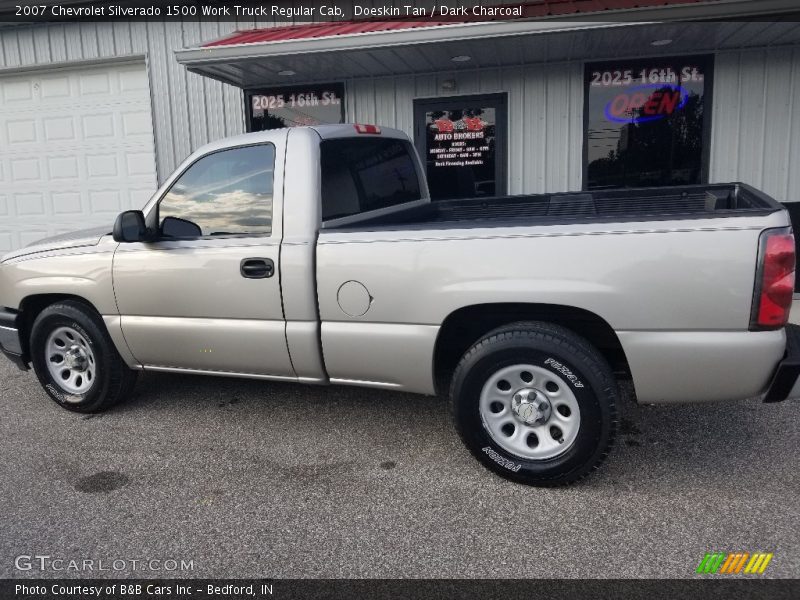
[(399, 299)]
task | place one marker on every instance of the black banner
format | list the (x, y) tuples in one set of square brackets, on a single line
[(21, 11), (420, 589), (307, 11)]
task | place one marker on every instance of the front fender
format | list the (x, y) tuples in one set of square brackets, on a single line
[(87, 275)]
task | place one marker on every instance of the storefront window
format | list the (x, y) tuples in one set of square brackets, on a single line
[(295, 106), (647, 122), (462, 142)]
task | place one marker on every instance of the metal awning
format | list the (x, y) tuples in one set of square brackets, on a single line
[(323, 51)]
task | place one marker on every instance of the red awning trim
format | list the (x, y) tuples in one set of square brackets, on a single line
[(543, 8), (318, 30)]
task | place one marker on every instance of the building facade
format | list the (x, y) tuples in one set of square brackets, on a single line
[(93, 115)]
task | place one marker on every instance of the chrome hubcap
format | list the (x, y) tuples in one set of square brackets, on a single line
[(530, 411), (70, 360), (531, 407)]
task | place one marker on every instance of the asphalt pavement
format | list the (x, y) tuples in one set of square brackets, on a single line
[(239, 478)]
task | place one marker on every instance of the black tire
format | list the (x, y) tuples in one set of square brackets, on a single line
[(534, 343), (113, 380)]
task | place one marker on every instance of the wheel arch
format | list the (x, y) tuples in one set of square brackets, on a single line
[(31, 307), (466, 325)]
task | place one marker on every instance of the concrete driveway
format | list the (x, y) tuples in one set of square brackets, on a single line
[(239, 478)]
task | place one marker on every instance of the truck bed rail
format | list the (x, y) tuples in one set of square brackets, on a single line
[(718, 200)]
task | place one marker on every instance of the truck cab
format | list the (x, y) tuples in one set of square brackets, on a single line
[(225, 281)]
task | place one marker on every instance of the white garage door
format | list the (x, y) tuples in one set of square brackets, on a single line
[(76, 148)]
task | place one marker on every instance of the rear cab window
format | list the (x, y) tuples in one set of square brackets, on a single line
[(361, 175)]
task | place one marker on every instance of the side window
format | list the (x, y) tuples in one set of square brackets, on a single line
[(360, 175), (225, 193)]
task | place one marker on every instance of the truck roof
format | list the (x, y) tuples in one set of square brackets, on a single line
[(325, 132)]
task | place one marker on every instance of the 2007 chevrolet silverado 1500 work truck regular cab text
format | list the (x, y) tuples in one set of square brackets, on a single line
[(315, 255)]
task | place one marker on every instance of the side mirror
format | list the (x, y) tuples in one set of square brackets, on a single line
[(130, 227), (173, 227)]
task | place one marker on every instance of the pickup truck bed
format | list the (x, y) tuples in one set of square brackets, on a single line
[(696, 201)]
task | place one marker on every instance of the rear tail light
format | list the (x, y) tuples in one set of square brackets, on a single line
[(367, 129), (774, 280)]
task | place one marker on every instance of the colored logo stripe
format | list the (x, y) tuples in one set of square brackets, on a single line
[(758, 563), (710, 562), (734, 562)]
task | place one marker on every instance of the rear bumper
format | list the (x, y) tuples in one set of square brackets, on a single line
[(786, 381), (702, 366), (10, 341)]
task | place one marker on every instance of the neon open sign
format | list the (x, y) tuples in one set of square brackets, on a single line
[(649, 102)]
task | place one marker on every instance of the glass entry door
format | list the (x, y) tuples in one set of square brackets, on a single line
[(462, 140)]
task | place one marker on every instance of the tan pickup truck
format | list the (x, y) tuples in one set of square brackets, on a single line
[(315, 255)]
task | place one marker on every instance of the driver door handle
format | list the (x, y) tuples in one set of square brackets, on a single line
[(257, 268)]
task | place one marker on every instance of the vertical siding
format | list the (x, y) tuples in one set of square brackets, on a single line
[(188, 110), (755, 134), (545, 116), (756, 120), (755, 115)]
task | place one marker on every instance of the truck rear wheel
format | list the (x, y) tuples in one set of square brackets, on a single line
[(76, 361), (535, 403)]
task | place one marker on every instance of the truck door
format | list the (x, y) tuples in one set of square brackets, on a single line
[(206, 295)]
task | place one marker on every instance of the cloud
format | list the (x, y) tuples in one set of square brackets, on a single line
[(234, 211)]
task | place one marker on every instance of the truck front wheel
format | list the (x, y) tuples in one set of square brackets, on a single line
[(76, 361), (535, 403)]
